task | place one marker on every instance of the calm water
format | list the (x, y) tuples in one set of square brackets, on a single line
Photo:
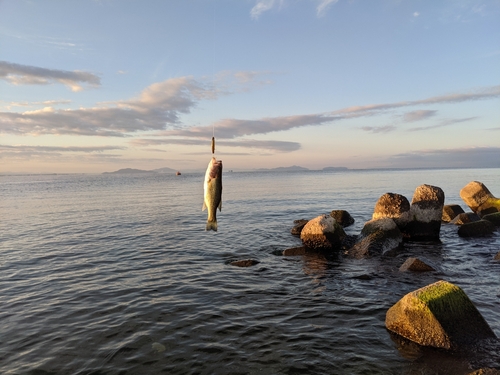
[(104, 274)]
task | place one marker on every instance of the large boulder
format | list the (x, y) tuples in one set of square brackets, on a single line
[(342, 217), (393, 206), (377, 237), (438, 315), (479, 228), (322, 233), (426, 211), (450, 212), (480, 200)]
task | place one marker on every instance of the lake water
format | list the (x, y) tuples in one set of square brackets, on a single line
[(114, 274)]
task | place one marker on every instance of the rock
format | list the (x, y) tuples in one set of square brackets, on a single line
[(417, 265), (342, 217), (299, 225), (450, 211), (322, 233), (466, 217), (480, 200), (378, 236), (426, 211), (438, 315), (244, 263), (479, 228), (497, 257), (493, 218), (485, 371), (393, 206), (294, 251)]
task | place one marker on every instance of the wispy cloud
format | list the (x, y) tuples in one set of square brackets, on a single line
[(157, 107), (418, 115), (277, 146), (443, 123), (262, 6), (233, 128), (473, 157), (379, 129), (26, 152), (323, 6), (18, 74), (45, 103)]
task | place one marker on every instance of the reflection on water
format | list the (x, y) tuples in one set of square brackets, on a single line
[(116, 275)]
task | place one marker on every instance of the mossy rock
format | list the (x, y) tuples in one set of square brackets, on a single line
[(439, 315), (493, 218), (479, 228)]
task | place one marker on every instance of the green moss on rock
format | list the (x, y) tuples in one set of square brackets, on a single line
[(439, 315)]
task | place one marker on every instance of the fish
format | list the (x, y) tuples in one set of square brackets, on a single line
[(212, 188)]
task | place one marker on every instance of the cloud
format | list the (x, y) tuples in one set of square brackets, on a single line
[(323, 7), (443, 123), (379, 129), (233, 128), (263, 6), (474, 157), (157, 107), (276, 146), (416, 14), (418, 115), (45, 103), (18, 74), (24, 152)]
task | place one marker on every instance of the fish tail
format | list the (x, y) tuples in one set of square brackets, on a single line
[(212, 225)]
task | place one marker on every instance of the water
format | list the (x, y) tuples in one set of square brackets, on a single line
[(107, 274)]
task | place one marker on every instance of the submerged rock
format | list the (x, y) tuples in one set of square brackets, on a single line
[(493, 218), (438, 315), (322, 233), (393, 206), (244, 263), (479, 228), (426, 211), (342, 217), (299, 225), (378, 236), (450, 212), (480, 200), (497, 256), (294, 251), (417, 265), (466, 217)]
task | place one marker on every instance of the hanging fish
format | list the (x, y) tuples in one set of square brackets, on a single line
[(213, 192)]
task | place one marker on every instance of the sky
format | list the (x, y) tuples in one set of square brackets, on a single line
[(88, 86)]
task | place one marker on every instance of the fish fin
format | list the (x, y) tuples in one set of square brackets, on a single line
[(212, 225), (204, 207), (220, 205)]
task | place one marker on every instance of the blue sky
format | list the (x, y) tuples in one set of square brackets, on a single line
[(99, 85)]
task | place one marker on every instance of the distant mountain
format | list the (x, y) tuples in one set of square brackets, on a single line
[(293, 168), (333, 169), (139, 171)]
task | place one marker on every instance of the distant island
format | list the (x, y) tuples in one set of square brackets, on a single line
[(141, 171)]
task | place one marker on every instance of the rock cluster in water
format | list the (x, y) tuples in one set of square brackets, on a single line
[(396, 220), (439, 315)]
